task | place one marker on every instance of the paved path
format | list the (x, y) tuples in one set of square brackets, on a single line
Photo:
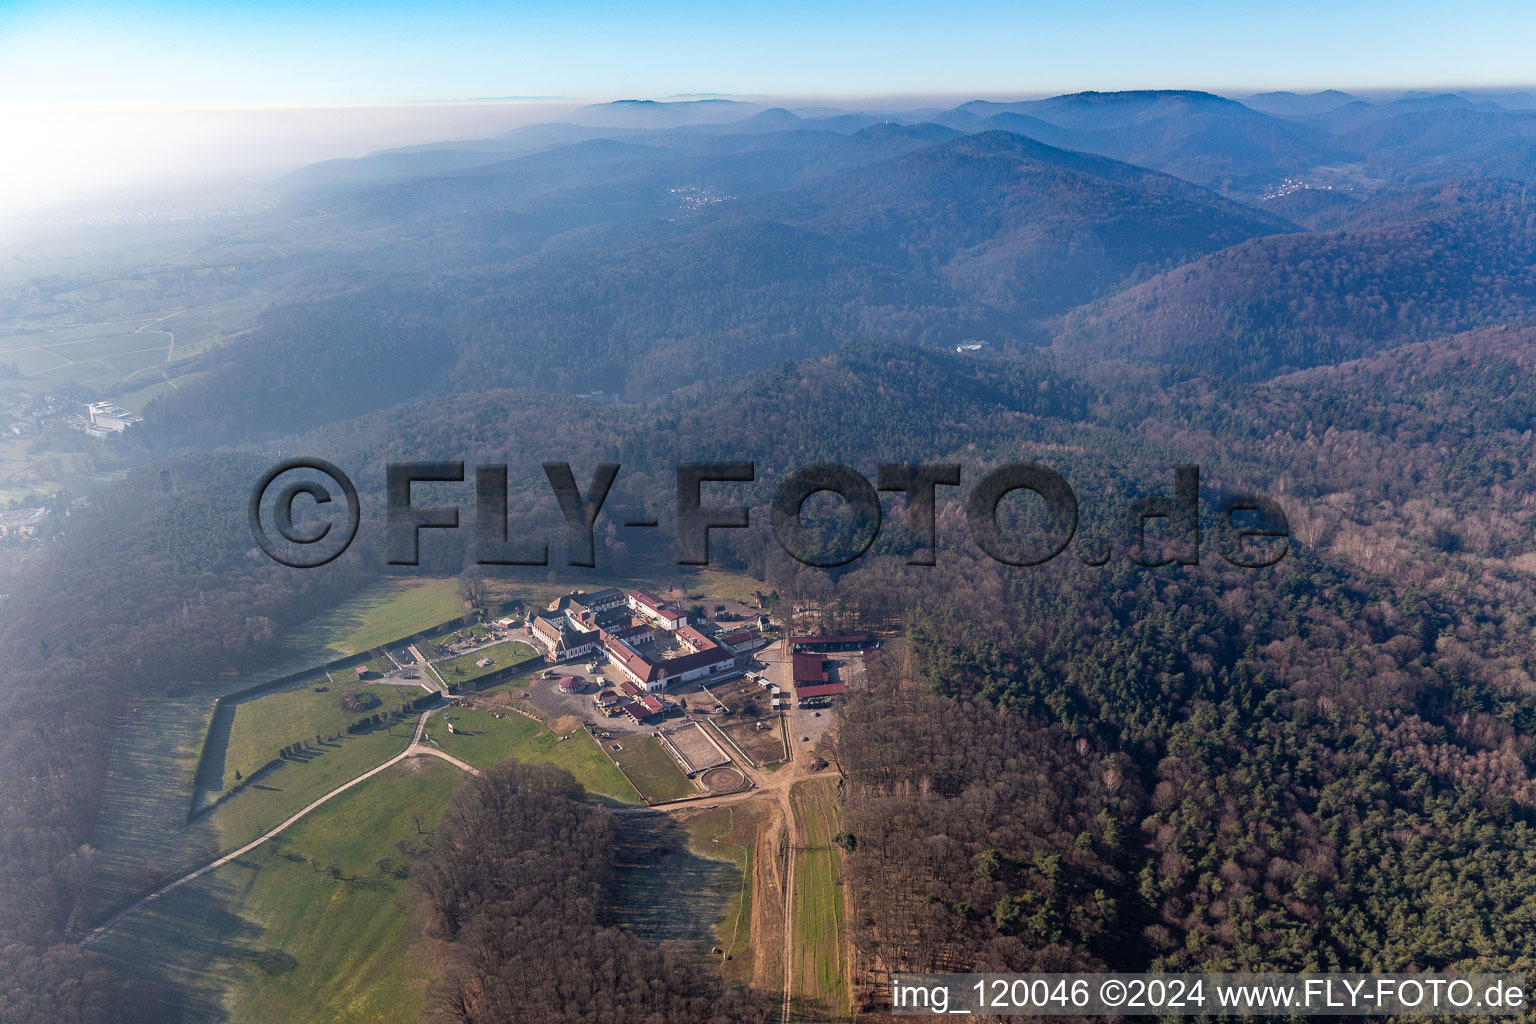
[(414, 749)]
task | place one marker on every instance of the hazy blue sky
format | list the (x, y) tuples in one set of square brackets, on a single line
[(303, 51), (98, 96)]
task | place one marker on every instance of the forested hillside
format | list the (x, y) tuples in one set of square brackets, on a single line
[(1217, 142), (1378, 659), (975, 238), (1195, 778), (1423, 265)]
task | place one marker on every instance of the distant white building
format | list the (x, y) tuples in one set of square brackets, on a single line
[(109, 417)]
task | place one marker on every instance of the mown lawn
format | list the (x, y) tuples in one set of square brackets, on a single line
[(262, 727), (483, 740), (272, 797), (463, 669), (436, 646), (820, 973), (650, 768)]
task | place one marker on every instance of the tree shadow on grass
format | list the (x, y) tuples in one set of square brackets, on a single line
[(210, 766), (183, 951)]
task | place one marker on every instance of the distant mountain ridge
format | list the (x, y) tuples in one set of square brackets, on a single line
[(653, 262), (1162, 226), (1244, 149), (662, 113), (1291, 104)]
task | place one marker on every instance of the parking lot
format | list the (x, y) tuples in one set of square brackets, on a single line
[(545, 695), (810, 726)]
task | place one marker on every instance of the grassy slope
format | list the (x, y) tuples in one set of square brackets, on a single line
[(268, 800), (820, 971), (275, 937), (262, 727), (141, 829), (483, 741), (352, 938), (385, 612)]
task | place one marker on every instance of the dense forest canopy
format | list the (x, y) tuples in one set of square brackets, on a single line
[(517, 879)]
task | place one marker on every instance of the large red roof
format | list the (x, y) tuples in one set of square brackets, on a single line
[(809, 668), (714, 655)]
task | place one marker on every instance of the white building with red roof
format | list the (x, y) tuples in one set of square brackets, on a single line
[(653, 609), (706, 659)]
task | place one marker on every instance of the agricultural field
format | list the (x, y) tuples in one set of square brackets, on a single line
[(102, 357), (117, 339), (313, 926), (136, 400), (650, 768), (142, 831), (484, 740), (820, 939), (667, 891), (43, 464), (262, 727), (464, 669)]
